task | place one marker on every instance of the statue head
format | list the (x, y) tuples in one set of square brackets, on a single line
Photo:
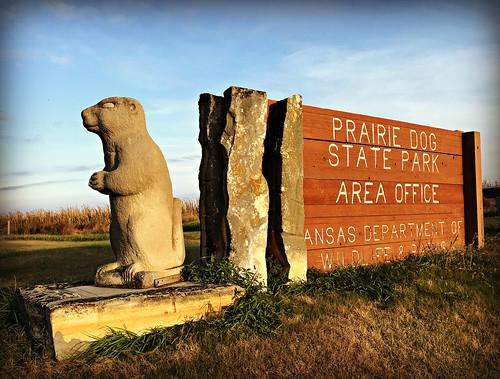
[(114, 116)]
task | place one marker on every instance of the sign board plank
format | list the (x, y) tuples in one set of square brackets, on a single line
[(330, 125), (340, 192), (329, 259), (329, 160), (377, 190), (321, 233)]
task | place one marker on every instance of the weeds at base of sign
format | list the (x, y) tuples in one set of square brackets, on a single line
[(263, 313)]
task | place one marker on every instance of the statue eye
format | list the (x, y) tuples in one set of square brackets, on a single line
[(108, 105)]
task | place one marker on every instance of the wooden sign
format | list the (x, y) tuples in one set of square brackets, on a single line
[(373, 190), (376, 190)]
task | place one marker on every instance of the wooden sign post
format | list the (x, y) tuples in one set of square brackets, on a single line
[(376, 190), (473, 191)]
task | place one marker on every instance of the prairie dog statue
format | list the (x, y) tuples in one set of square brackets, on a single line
[(146, 221)]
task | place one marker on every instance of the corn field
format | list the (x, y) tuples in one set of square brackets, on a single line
[(190, 210), (85, 220)]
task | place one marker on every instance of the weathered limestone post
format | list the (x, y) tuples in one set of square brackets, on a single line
[(214, 242), (283, 168), (247, 189)]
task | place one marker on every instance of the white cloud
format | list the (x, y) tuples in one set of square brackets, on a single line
[(104, 12), (21, 54), (384, 75), (35, 55), (53, 196), (57, 59), (442, 86), (61, 8), (185, 158)]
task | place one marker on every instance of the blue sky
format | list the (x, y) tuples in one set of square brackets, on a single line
[(426, 63)]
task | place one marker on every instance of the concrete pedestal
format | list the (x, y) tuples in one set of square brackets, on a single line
[(69, 316)]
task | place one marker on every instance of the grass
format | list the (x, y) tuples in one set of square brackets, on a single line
[(63, 221), (427, 316), (74, 221), (191, 226), (492, 225), (56, 237), (261, 312), (24, 263)]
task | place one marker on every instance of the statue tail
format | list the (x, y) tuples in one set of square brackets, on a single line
[(177, 232)]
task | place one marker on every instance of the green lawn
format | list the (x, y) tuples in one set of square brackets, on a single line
[(26, 262)]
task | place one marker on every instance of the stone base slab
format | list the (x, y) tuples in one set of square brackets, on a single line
[(69, 316)]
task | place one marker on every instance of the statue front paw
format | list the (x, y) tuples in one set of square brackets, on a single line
[(107, 267), (108, 275), (97, 181), (130, 272)]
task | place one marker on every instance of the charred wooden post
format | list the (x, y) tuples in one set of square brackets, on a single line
[(283, 168), (214, 242)]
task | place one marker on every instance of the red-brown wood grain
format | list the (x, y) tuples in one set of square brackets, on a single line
[(368, 193), (318, 124), (320, 233), (376, 190), (314, 211), (328, 259), (319, 163)]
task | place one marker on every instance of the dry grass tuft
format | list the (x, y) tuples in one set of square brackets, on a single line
[(190, 209), (63, 221)]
